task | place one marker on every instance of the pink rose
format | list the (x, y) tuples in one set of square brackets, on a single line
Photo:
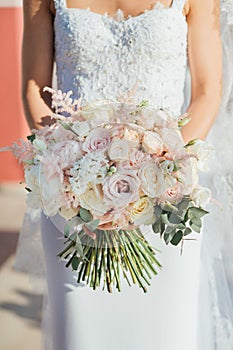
[(137, 158), (121, 189), (97, 140), (172, 195)]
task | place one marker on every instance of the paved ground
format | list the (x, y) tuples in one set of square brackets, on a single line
[(20, 306)]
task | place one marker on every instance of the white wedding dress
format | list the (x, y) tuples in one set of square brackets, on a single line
[(98, 57)]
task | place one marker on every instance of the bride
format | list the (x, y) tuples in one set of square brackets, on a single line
[(105, 49)]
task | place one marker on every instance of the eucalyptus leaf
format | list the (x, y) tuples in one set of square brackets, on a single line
[(71, 223), (85, 215), (196, 212), (75, 263), (169, 207), (157, 227), (170, 228), (79, 246), (164, 219), (158, 210), (174, 219), (194, 227), (187, 231), (92, 225), (197, 222), (184, 204), (177, 238)]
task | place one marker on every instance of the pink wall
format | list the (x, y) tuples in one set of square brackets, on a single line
[(13, 125)]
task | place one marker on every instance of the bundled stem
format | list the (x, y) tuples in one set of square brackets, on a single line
[(113, 253)]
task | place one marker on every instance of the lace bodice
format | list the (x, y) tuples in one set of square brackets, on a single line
[(98, 56)]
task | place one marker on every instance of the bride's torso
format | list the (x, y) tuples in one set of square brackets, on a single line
[(98, 56)]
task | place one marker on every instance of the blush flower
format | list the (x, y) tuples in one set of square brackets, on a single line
[(121, 189), (97, 140)]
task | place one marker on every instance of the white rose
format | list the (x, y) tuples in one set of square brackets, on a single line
[(92, 199), (142, 212), (203, 152), (118, 150), (81, 128), (201, 196), (152, 143), (152, 180)]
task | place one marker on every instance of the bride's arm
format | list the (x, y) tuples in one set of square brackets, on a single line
[(37, 60), (205, 59)]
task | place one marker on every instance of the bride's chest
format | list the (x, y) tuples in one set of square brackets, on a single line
[(87, 36)]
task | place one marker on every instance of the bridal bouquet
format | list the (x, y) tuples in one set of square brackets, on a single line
[(109, 167)]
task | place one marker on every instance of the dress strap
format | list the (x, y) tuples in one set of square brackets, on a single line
[(59, 4), (178, 4)]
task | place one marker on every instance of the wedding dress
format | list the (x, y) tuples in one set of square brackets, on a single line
[(98, 56)]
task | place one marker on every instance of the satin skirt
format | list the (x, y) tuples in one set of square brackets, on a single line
[(167, 317)]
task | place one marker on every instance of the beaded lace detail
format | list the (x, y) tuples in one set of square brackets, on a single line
[(99, 56)]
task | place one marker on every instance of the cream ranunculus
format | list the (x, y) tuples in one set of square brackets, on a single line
[(92, 199), (152, 180), (152, 143), (142, 212), (118, 150), (201, 196)]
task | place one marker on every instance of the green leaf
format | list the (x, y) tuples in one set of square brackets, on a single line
[(79, 246), (191, 143), (65, 125), (170, 228), (85, 215), (68, 226), (169, 207), (194, 227), (92, 225), (184, 204), (31, 138), (164, 219), (75, 263), (157, 227), (195, 212), (177, 238), (187, 231), (143, 103), (169, 236), (175, 219), (197, 222), (157, 210)]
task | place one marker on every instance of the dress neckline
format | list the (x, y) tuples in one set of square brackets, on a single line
[(119, 14)]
